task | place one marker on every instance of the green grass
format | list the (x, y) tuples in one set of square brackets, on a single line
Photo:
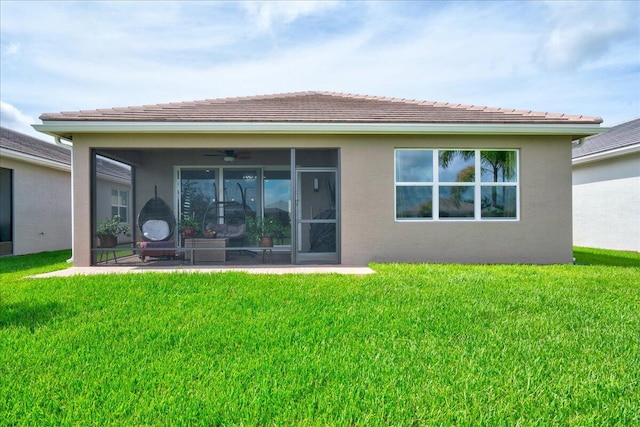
[(590, 256), (17, 267), (410, 345)]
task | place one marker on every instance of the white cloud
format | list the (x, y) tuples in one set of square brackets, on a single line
[(11, 49), (582, 32), (14, 119), (133, 53), (269, 13)]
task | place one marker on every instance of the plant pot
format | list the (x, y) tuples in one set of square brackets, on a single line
[(266, 242), (188, 231), (107, 241)]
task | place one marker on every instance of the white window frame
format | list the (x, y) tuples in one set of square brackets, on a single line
[(477, 184), (119, 205)]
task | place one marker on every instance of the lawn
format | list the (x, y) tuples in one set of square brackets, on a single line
[(409, 345)]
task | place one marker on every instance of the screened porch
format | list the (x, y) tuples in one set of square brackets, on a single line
[(218, 207)]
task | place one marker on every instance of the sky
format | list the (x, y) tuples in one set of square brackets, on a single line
[(574, 57)]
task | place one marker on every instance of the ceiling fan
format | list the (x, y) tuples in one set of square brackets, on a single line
[(230, 155)]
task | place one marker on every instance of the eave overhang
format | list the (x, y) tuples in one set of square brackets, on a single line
[(66, 129), (65, 167), (29, 158), (594, 157)]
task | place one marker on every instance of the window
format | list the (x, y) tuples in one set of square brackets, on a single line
[(447, 184), (6, 211), (120, 204)]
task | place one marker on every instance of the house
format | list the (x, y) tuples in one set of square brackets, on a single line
[(606, 189), (35, 193), (358, 179)]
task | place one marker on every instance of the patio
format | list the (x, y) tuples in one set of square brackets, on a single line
[(246, 256)]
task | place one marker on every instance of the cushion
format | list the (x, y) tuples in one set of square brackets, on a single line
[(155, 229)]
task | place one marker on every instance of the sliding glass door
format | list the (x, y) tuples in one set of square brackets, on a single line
[(198, 190)]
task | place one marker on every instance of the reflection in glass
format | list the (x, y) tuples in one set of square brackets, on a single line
[(197, 191), (499, 166), (277, 201), (414, 202), (456, 166), (414, 165), (240, 185), (456, 201), (498, 201)]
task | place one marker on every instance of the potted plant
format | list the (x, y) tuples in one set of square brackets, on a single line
[(209, 233), (189, 226), (109, 230), (262, 230)]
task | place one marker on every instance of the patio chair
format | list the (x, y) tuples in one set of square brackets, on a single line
[(157, 223), (227, 219)]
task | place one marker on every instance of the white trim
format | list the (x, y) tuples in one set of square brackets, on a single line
[(606, 154), (62, 128), (477, 186), (29, 158), (118, 205)]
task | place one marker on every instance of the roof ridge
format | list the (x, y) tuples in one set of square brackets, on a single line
[(291, 106)]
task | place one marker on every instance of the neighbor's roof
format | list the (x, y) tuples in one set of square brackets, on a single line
[(623, 135), (29, 146), (318, 107), (24, 147), (109, 168)]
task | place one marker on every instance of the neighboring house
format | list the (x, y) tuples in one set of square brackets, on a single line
[(35, 193), (361, 178), (606, 189)]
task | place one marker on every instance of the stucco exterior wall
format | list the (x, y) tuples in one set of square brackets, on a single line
[(606, 203), (41, 207), (542, 235), (369, 231)]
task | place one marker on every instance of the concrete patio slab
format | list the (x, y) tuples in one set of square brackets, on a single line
[(285, 269)]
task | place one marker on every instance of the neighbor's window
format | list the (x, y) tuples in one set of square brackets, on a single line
[(120, 204), (456, 184)]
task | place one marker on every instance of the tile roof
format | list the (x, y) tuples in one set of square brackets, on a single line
[(619, 136), (318, 107), (25, 144)]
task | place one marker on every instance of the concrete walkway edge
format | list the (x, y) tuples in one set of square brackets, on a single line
[(285, 269)]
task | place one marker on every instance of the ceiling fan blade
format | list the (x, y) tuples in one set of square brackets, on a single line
[(230, 155)]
